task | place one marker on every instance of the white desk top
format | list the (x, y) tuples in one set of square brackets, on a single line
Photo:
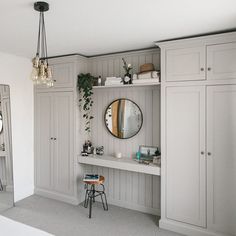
[(119, 163)]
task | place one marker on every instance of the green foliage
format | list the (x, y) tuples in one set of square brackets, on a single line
[(85, 89)]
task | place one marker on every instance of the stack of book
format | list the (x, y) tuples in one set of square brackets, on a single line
[(112, 81), (91, 177), (147, 77), (146, 81)]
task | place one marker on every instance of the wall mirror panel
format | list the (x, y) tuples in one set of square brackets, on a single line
[(6, 168), (123, 118)]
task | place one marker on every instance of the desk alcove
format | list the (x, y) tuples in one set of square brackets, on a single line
[(128, 183)]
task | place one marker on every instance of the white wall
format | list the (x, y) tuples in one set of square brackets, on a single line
[(15, 71)]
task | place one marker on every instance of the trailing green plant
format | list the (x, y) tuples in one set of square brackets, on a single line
[(85, 89)]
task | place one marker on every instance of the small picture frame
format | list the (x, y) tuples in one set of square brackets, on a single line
[(148, 151)]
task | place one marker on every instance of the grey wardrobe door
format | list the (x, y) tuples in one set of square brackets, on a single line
[(43, 141), (63, 160), (221, 160), (186, 165)]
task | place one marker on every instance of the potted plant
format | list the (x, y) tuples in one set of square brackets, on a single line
[(85, 89), (127, 77)]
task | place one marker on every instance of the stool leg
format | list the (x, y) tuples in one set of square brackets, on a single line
[(103, 202), (90, 206), (105, 207), (1, 186), (86, 199), (93, 187), (106, 201)]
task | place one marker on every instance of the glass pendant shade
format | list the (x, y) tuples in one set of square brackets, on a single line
[(41, 72)]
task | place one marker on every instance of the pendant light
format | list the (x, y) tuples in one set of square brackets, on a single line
[(41, 73)]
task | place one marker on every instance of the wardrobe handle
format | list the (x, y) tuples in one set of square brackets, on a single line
[(209, 68), (51, 138), (54, 80), (209, 153), (55, 138), (202, 153), (202, 69)]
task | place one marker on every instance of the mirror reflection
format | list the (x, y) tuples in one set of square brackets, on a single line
[(6, 170), (123, 118)]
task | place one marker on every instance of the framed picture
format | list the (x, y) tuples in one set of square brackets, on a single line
[(148, 151)]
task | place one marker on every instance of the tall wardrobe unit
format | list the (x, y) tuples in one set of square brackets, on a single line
[(55, 132), (198, 184)]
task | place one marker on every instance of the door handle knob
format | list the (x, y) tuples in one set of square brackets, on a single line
[(202, 153), (202, 69), (209, 153), (55, 138)]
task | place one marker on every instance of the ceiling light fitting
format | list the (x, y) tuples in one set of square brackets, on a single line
[(41, 73)]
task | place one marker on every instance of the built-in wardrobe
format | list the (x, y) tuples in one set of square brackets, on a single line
[(198, 135), (56, 136)]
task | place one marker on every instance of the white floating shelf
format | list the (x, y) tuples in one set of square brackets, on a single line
[(119, 163), (126, 85)]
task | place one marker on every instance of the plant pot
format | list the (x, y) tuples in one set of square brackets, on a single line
[(127, 79)]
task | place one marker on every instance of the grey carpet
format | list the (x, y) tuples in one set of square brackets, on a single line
[(63, 219), (6, 200)]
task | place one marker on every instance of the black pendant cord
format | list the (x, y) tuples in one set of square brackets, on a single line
[(42, 42), (39, 34), (44, 39)]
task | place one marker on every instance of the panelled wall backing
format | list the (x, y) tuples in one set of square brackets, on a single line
[(128, 189)]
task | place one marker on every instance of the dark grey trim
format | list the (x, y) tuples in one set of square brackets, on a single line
[(105, 54), (67, 55), (114, 53), (198, 35)]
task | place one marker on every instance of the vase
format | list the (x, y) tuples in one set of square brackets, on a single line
[(127, 79)]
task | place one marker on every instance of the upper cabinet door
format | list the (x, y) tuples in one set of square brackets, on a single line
[(185, 64), (63, 75), (186, 163), (221, 161), (221, 61)]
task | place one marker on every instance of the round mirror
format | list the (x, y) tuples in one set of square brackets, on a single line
[(123, 118), (1, 125)]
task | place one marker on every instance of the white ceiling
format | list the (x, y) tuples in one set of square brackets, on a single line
[(92, 27)]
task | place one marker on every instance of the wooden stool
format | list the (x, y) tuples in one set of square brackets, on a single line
[(91, 193)]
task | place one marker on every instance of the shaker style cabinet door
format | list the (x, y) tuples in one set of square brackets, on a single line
[(185, 157), (63, 143), (63, 75), (221, 61), (43, 141), (221, 160), (185, 64)]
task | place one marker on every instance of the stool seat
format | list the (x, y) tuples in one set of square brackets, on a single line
[(96, 182)]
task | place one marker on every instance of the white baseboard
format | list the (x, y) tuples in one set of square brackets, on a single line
[(186, 229), (56, 196)]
